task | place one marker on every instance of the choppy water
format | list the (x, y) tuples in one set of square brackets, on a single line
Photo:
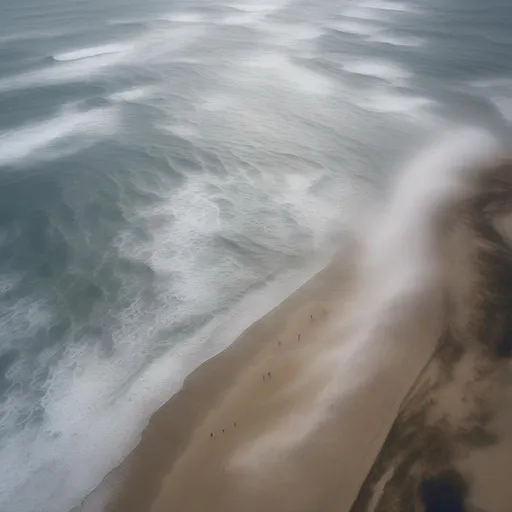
[(165, 164)]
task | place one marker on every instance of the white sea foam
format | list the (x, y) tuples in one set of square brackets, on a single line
[(289, 34), (69, 71), (27, 35), (389, 102), (297, 77), (93, 51), (251, 13), (248, 18), (35, 141), (395, 40), (355, 27), (184, 130), (84, 64), (184, 17), (24, 318), (504, 105), (388, 5), (365, 18), (132, 95), (265, 7), (362, 13), (165, 44), (387, 71)]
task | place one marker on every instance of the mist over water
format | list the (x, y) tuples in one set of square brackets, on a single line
[(166, 168)]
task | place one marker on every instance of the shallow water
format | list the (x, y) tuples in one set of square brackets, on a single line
[(161, 163)]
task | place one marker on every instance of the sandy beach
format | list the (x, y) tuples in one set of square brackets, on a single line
[(261, 426), (252, 386)]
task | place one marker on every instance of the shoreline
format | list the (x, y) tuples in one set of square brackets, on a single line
[(133, 485), (248, 425), (293, 415)]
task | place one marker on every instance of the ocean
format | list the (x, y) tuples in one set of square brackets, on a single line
[(169, 171)]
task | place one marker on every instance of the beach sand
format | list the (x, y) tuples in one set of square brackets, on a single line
[(225, 403), (261, 425)]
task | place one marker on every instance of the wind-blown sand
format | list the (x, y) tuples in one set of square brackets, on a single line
[(293, 415)]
